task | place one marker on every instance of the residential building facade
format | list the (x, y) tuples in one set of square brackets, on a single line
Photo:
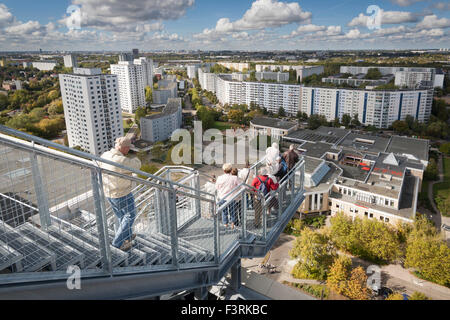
[(131, 85), (70, 61), (91, 109)]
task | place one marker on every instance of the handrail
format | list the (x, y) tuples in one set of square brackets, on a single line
[(68, 154)]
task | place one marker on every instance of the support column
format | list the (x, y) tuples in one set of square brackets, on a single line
[(41, 194), (236, 280)]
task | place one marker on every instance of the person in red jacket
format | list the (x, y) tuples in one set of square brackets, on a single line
[(263, 177)]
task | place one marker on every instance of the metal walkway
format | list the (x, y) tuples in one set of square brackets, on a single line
[(54, 215)]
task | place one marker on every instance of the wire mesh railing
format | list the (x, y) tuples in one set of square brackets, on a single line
[(60, 207)]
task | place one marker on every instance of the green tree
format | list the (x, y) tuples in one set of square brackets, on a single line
[(346, 119), (339, 274), (419, 296), (281, 112), (140, 112), (355, 121), (395, 296), (316, 255), (400, 126), (37, 114), (206, 116), (315, 121), (148, 95), (356, 288), (438, 129), (373, 74), (445, 148), (4, 103)]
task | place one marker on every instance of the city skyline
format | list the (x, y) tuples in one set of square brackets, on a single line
[(232, 25)]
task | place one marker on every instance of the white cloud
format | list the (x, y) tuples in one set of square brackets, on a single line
[(308, 28), (443, 6), (6, 17), (125, 15), (24, 28), (387, 17), (264, 14), (431, 22), (405, 3)]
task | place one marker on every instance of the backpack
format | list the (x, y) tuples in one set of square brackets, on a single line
[(263, 187)]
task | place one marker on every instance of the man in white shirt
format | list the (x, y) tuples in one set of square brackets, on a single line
[(118, 191), (224, 185)]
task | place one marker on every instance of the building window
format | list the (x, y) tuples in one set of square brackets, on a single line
[(381, 218), (371, 215)]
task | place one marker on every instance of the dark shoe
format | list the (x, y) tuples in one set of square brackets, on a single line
[(126, 246)]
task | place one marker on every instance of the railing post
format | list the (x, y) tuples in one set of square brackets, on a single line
[(41, 194), (292, 182), (244, 215), (282, 191), (197, 187), (216, 234), (264, 218), (100, 217), (173, 225)]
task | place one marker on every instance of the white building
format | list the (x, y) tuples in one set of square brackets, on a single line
[(147, 67), (27, 64), (45, 65), (274, 76), (192, 71), (238, 66), (404, 76), (167, 89), (379, 108), (271, 96), (91, 109), (131, 85), (302, 71), (159, 127), (207, 80), (70, 61)]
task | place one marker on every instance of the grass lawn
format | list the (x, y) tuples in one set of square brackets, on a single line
[(441, 191), (225, 125)]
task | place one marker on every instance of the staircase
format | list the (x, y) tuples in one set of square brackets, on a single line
[(181, 242)]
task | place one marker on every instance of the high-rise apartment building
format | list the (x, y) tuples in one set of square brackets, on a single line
[(70, 61), (131, 85), (147, 70), (91, 109), (379, 108)]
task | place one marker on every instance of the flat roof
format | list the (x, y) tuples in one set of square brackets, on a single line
[(316, 150), (416, 147), (172, 106), (323, 134), (311, 164), (273, 123), (365, 143)]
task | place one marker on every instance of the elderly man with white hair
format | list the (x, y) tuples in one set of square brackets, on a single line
[(118, 191), (224, 185), (272, 153)]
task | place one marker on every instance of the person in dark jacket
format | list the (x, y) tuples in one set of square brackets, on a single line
[(291, 157), (270, 186)]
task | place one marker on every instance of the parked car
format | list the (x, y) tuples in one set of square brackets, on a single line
[(383, 292), (446, 227)]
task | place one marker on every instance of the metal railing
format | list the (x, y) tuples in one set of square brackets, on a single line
[(54, 213)]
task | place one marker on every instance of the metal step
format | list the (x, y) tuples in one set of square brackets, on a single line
[(183, 256), (201, 254), (35, 257), (91, 254), (65, 255), (137, 255), (165, 255), (10, 258), (118, 257)]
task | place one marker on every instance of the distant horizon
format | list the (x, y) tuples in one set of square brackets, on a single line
[(252, 25)]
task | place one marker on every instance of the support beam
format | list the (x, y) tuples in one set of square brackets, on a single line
[(236, 280)]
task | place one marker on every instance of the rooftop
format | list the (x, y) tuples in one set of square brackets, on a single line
[(416, 148), (316, 150), (273, 123), (365, 143), (172, 106), (323, 134)]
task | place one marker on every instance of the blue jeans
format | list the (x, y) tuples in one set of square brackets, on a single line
[(230, 209), (125, 211)]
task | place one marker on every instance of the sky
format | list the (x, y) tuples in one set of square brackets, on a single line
[(74, 25)]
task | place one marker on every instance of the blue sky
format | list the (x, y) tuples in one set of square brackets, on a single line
[(232, 24)]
